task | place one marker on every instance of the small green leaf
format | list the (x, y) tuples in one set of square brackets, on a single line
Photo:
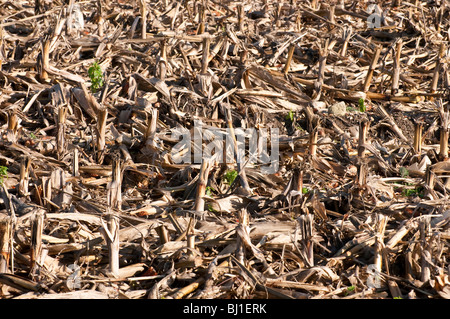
[(96, 75), (230, 176), (362, 106), (290, 116), (3, 174), (209, 190)]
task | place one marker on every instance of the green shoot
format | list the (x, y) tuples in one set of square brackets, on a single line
[(96, 76), (290, 116), (418, 191), (3, 174), (230, 176), (209, 191), (362, 106)]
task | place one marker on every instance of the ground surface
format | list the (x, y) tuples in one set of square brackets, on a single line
[(96, 203)]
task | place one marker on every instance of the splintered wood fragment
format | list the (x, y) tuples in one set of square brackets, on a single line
[(143, 9), (396, 71), (202, 18), (101, 170), (216, 49), (81, 95), (346, 38), (394, 289), (381, 222), (78, 294), (331, 16), (443, 143), (201, 185), (304, 233), (180, 293), (295, 285), (5, 242), (31, 101), (400, 233), (188, 231), (11, 212), (241, 230), (151, 147), (37, 227), (59, 189), (437, 70), (372, 68), (238, 154), (363, 131), (163, 234), (43, 62), (240, 13), (313, 141), (75, 162), (18, 282), (430, 180), (61, 143), (418, 128), (24, 175), (289, 58), (426, 259), (204, 78), (115, 186), (322, 64), (175, 223), (13, 126), (110, 232), (102, 115), (444, 131), (190, 242), (278, 10), (362, 163), (244, 243), (161, 63)]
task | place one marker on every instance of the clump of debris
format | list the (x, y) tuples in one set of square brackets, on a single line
[(224, 149)]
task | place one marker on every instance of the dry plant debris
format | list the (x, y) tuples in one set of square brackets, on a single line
[(94, 204)]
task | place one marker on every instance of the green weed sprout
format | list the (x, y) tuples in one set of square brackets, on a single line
[(362, 106), (96, 76), (209, 191), (290, 116), (230, 176), (3, 174)]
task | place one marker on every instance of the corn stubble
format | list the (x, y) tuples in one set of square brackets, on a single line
[(94, 205)]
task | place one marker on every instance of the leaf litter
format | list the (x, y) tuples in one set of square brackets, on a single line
[(95, 202)]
